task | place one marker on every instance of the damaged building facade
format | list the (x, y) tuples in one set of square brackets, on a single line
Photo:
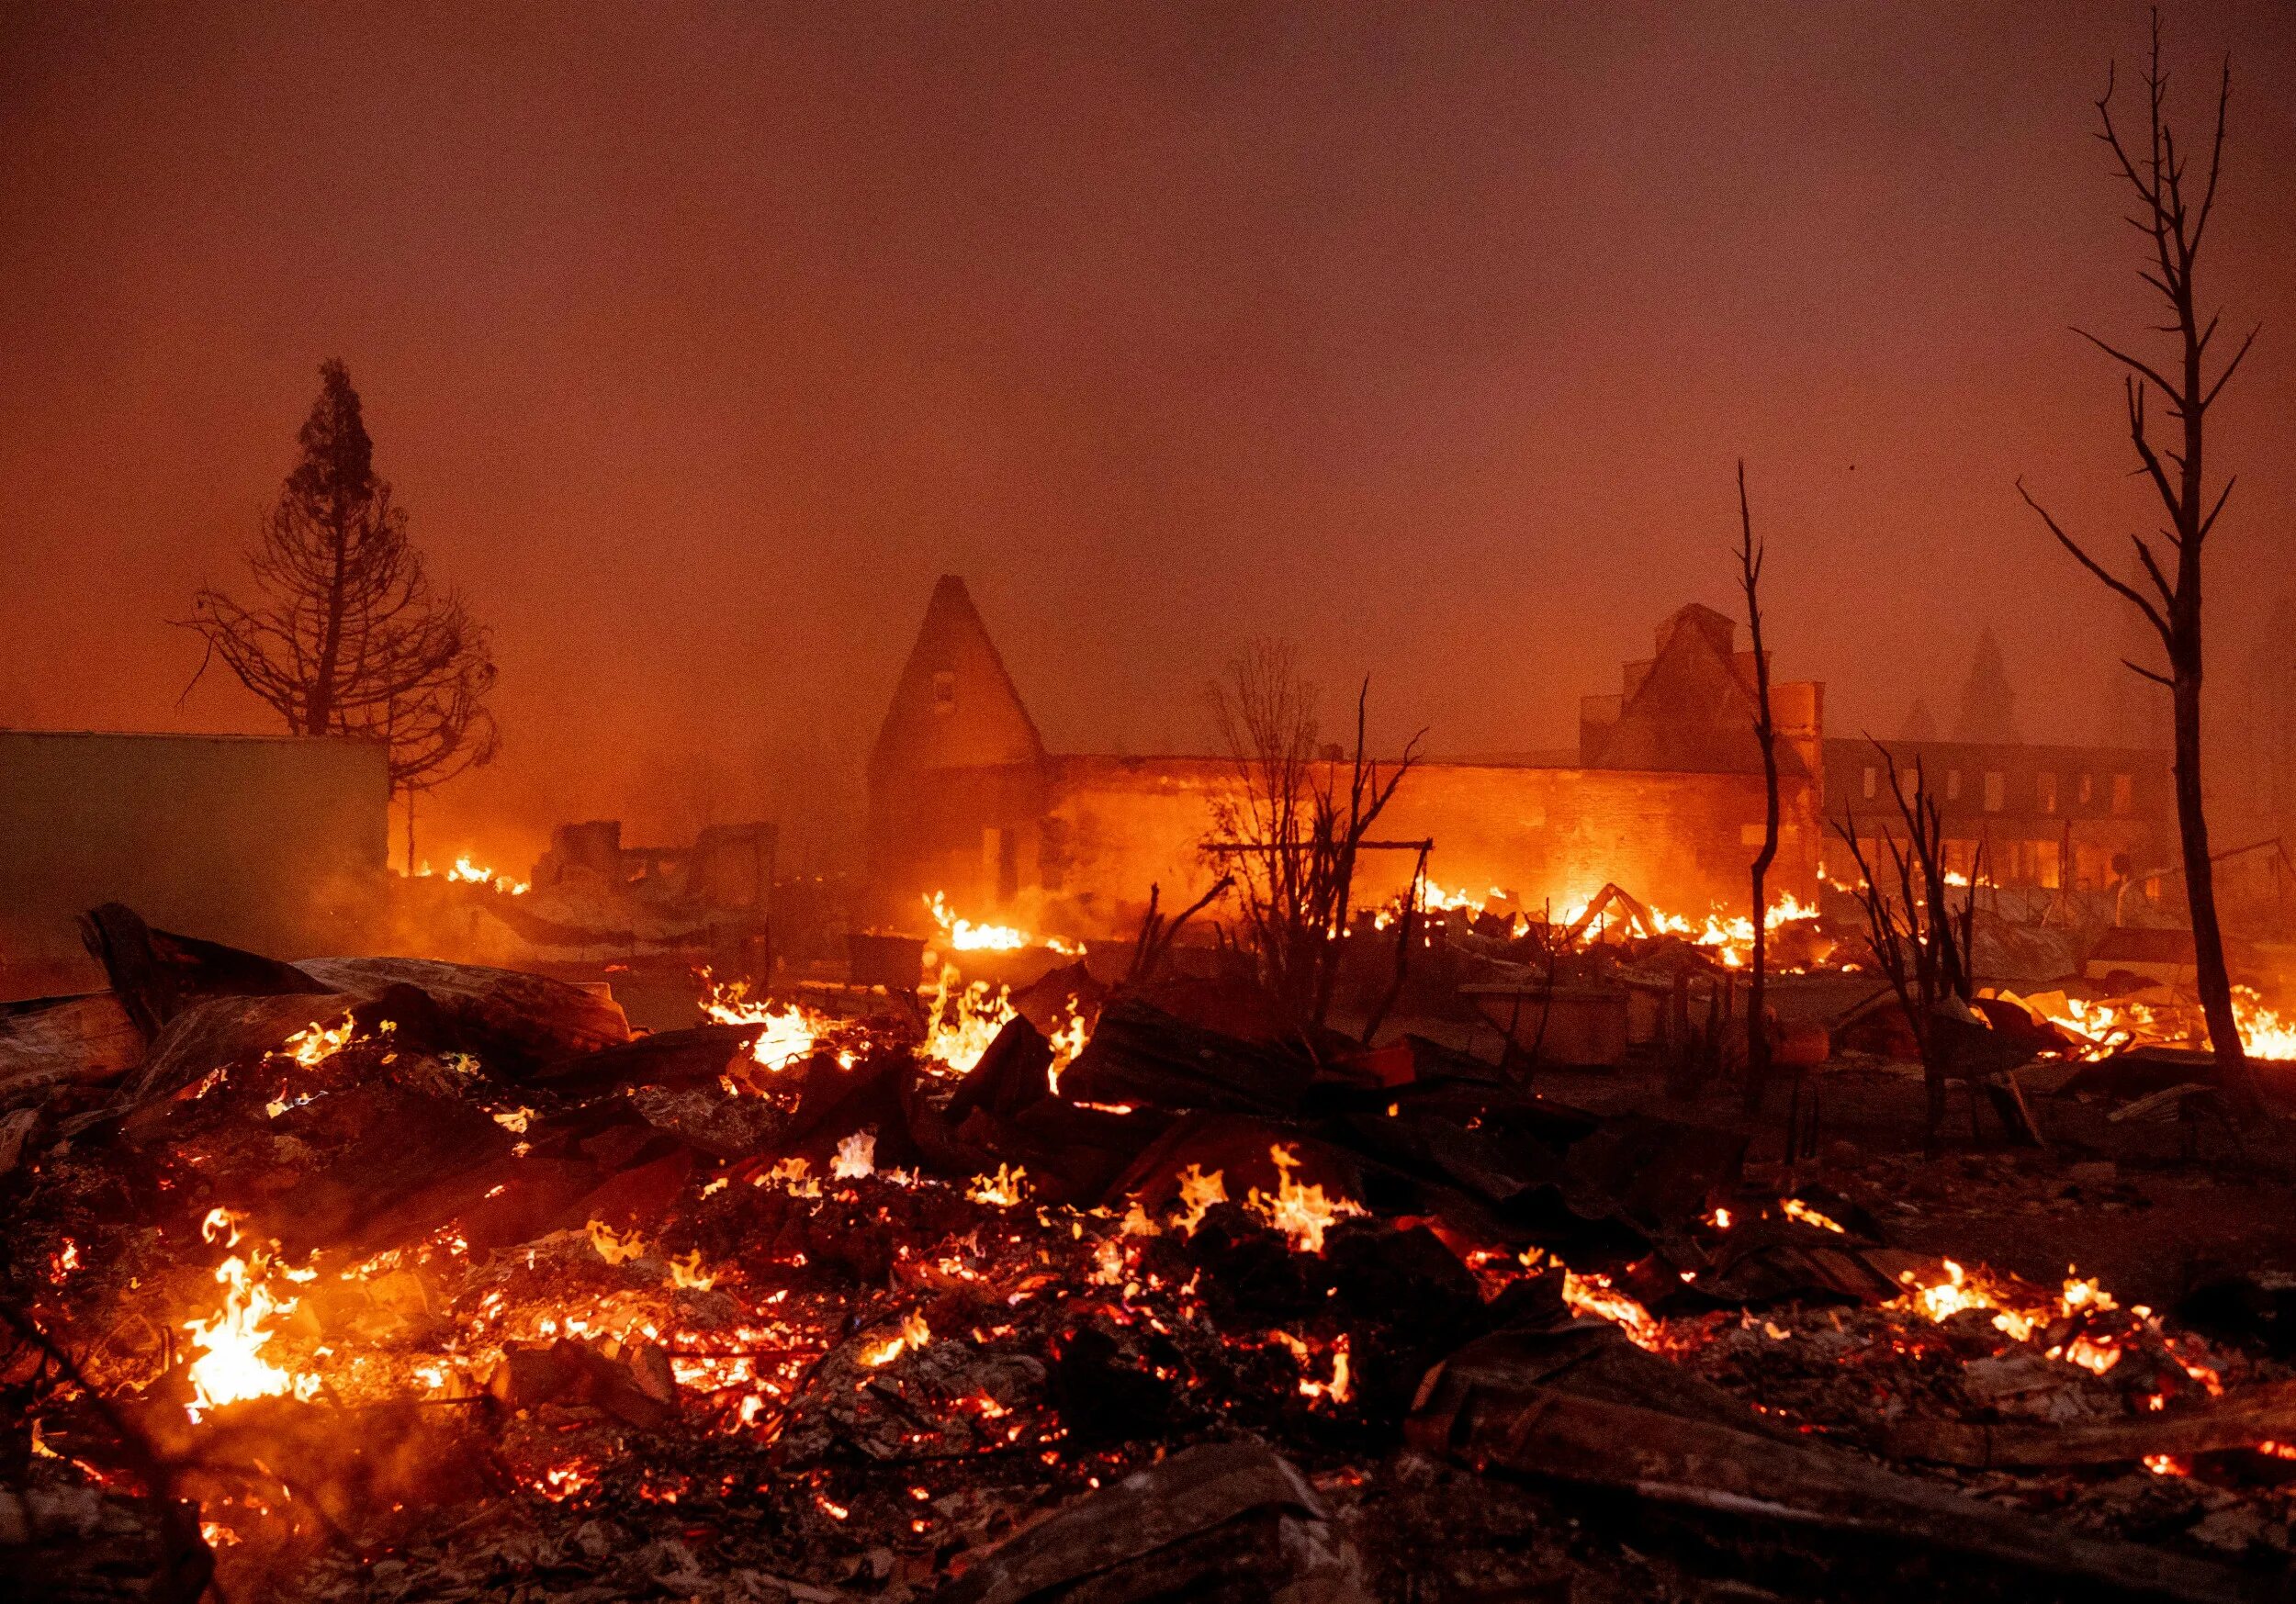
[(1666, 798)]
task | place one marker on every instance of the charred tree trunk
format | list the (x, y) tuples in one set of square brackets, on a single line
[(1749, 557), (2175, 219)]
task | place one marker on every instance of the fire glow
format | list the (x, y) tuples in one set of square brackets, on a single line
[(960, 935), (231, 1367)]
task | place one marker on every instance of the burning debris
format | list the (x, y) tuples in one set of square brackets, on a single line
[(420, 1279)]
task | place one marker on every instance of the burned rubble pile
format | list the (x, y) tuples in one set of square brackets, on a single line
[(393, 1279)]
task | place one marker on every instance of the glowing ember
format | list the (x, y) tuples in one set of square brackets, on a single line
[(1942, 1300), (963, 936), (1001, 1189), (1341, 1388), (2089, 1355), (856, 1157), (2018, 1319), (1301, 1213), (1594, 1294)]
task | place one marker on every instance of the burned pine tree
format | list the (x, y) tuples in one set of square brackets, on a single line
[(2174, 219), (1292, 825), (347, 636), (1919, 941), (1749, 556)]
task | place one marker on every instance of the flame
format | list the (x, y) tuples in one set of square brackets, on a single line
[(2105, 1028), (1341, 1388), (1301, 1213), (856, 1157), (1199, 1192), (318, 1041), (962, 1023), (2017, 1320), (687, 1273), (1797, 1210), (470, 873), (1001, 1189), (1068, 1038), (1594, 1294), (793, 1176), (612, 1246), (2088, 1354), (963, 936), (913, 1336), (791, 1031), (230, 1366)]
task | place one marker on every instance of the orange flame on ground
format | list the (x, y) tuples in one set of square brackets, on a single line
[(1301, 1213), (962, 1023), (1797, 1210), (856, 1157), (963, 936), (1199, 1192), (230, 1366), (913, 1336), (1001, 1189)]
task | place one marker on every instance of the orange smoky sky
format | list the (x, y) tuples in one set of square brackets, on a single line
[(698, 339)]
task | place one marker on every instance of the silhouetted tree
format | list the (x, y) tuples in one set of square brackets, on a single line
[(1749, 557), (2174, 219), (346, 635), (1292, 826), (1923, 945)]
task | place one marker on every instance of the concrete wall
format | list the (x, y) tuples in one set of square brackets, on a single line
[(1109, 827), (276, 842)]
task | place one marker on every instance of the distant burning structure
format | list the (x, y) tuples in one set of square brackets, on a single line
[(1666, 795)]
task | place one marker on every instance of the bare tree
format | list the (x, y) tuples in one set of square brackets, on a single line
[(1920, 943), (2174, 219), (1749, 557), (1290, 828), (347, 636)]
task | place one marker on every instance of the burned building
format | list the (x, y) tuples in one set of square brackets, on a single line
[(1666, 798), (2057, 818)]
